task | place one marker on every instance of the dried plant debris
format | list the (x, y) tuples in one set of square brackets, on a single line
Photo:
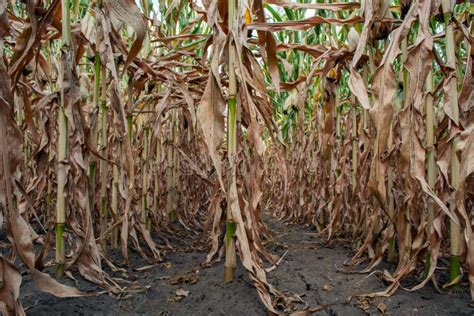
[(128, 125)]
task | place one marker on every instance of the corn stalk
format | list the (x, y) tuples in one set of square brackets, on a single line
[(103, 163), (63, 140), (455, 231), (230, 255)]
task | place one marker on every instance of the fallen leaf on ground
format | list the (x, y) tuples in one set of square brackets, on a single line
[(188, 278), (382, 308), (182, 292), (179, 295)]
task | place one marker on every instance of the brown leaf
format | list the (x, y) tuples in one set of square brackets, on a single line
[(211, 118), (301, 25), (10, 281), (315, 6), (382, 307), (128, 12)]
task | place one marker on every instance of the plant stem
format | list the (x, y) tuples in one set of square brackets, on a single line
[(170, 170), (146, 132), (103, 163), (430, 161), (62, 141), (455, 231), (114, 206), (230, 258)]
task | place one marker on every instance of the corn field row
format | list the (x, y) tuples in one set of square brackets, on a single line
[(125, 122)]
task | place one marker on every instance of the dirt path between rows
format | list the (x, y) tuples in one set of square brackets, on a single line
[(309, 268)]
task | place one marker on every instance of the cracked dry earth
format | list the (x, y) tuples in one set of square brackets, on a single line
[(180, 287)]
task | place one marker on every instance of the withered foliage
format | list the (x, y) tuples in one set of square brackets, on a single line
[(145, 99)]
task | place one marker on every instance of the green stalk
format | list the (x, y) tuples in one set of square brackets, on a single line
[(455, 231), (130, 127), (60, 249), (230, 257), (62, 141)]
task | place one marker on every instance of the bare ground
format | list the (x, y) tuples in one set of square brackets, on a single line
[(309, 268)]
